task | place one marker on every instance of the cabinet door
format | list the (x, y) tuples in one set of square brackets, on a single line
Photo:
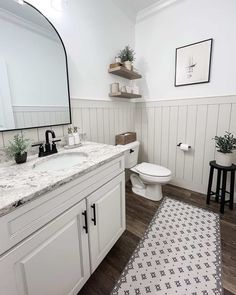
[(53, 261), (106, 213)]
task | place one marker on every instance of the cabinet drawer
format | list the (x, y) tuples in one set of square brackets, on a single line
[(19, 224)]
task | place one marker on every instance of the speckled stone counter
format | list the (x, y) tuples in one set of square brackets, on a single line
[(20, 184)]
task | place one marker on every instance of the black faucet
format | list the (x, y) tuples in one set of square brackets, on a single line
[(47, 144), (49, 148)]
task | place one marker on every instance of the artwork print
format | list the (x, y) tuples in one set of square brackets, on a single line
[(193, 63)]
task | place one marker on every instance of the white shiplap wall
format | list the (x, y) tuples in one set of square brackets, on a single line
[(162, 125), (101, 120)]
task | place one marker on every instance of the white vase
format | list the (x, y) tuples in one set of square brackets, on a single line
[(224, 159), (128, 65)]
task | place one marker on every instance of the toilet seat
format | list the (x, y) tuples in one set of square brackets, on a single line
[(152, 170)]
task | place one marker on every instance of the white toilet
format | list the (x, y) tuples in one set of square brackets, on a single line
[(148, 178)]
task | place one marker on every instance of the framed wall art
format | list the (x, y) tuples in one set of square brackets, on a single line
[(193, 63)]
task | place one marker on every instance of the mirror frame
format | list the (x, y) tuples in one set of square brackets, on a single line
[(67, 77)]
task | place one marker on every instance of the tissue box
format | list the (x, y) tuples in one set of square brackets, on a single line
[(126, 138)]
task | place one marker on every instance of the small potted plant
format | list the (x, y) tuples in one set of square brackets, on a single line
[(225, 146), (127, 57), (17, 149)]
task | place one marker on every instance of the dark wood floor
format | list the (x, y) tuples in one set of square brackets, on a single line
[(139, 212)]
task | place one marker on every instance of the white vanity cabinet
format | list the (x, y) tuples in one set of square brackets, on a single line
[(53, 244), (53, 261), (106, 213)]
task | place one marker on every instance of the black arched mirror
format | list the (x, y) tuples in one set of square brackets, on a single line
[(34, 85)]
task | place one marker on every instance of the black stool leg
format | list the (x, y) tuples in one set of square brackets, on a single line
[(210, 185), (232, 180), (222, 204), (218, 185)]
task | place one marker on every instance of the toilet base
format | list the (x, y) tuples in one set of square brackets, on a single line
[(149, 191)]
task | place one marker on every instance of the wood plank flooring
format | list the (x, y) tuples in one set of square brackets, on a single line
[(139, 212)]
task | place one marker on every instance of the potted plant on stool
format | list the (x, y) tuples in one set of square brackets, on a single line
[(127, 57), (225, 146), (17, 149)]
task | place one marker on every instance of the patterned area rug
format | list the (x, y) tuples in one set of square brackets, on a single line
[(180, 253)]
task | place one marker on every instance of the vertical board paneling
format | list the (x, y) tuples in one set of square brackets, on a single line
[(182, 118), (211, 130), (151, 130), (86, 122), (100, 124), (224, 118), (157, 138), (200, 143), (112, 126), (161, 125), (190, 140), (165, 136), (144, 141), (173, 129), (106, 126), (93, 124)]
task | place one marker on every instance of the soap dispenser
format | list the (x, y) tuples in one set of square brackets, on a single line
[(76, 136), (70, 138)]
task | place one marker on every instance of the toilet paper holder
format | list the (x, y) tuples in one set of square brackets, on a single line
[(181, 143)]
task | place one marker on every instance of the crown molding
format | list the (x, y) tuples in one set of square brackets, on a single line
[(155, 8)]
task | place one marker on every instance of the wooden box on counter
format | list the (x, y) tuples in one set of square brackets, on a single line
[(125, 138)]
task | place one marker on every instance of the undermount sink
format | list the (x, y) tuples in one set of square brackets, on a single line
[(61, 161)]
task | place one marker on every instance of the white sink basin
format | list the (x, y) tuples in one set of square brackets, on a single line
[(61, 161)]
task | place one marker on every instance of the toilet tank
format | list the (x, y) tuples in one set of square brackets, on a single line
[(131, 154)]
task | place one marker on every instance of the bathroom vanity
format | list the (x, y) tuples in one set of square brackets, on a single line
[(56, 226)]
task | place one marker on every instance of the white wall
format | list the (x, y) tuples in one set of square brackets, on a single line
[(186, 22), (93, 32)]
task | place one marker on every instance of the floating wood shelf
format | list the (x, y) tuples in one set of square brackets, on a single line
[(123, 72), (125, 95)]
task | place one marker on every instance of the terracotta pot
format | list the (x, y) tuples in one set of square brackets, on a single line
[(225, 160), (21, 158)]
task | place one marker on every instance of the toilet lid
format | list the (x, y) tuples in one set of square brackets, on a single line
[(153, 170)]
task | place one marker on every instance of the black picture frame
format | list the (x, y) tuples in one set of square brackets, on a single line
[(67, 76), (207, 80)]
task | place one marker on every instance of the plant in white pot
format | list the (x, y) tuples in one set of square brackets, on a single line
[(127, 57), (225, 146)]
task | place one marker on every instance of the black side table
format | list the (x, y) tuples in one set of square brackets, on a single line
[(221, 190)]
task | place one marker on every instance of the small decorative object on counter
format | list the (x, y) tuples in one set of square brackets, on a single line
[(17, 149), (118, 60), (225, 146), (76, 136), (115, 87), (127, 57), (70, 138)]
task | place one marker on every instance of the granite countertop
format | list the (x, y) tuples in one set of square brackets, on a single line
[(20, 184)]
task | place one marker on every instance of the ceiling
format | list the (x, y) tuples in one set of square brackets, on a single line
[(132, 7), (138, 5)]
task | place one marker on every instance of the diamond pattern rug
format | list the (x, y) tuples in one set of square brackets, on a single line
[(180, 253)]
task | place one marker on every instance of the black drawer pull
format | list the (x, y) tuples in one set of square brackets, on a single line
[(86, 221), (94, 214), (131, 151)]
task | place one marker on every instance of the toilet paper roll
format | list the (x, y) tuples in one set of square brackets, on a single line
[(184, 147)]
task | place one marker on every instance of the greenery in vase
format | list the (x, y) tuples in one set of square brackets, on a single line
[(225, 144), (70, 130), (18, 146), (127, 54)]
